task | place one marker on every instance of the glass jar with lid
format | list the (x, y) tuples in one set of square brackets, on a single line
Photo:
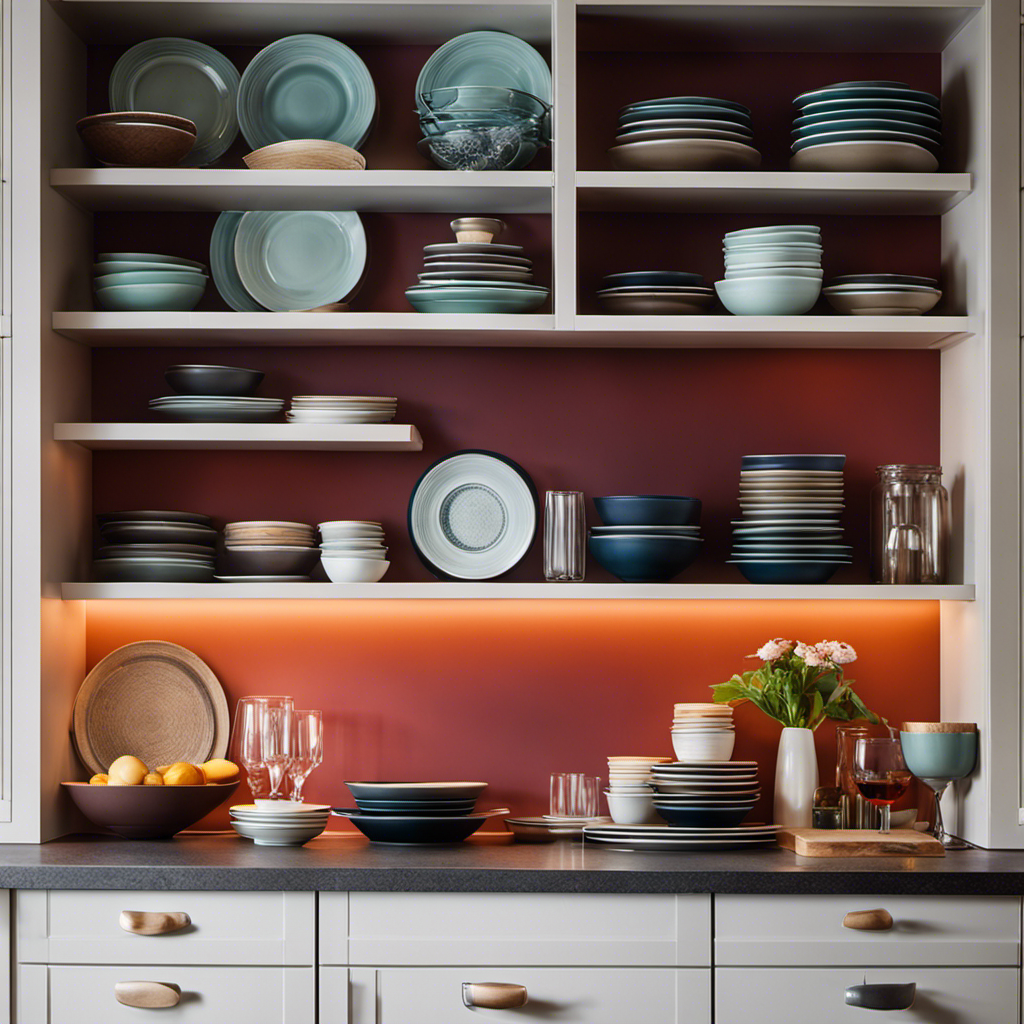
[(909, 525)]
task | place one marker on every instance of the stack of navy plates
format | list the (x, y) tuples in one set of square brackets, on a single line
[(705, 794), (866, 126), (155, 547), (684, 133), (882, 294), (789, 531), (656, 291)]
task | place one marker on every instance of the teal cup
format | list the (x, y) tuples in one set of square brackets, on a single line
[(940, 755)]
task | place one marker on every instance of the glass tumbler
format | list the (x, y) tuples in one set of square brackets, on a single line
[(565, 537), (574, 795), (909, 525)]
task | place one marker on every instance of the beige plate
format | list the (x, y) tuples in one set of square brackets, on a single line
[(864, 156), (305, 154), (882, 303), (685, 155), (155, 700)]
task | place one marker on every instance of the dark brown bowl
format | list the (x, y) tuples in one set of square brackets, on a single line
[(137, 144), (147, 812), (146, 116)]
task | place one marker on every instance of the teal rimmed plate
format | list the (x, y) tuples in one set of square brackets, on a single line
[(904, 114), (824, 138), (300, 259), (873, 102), (476, 299), (184, 77), (694, 101), (149, 257), (851, 125), (866, 90), (222, 264), (674, 110), (306, 87)]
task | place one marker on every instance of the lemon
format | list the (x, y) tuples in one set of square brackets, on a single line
[(127, 771), (153, 779), (100, 779), (161, 768), (220, 770), (181, 773)]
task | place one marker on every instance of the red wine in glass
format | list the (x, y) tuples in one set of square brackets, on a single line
[(885, 791), (880, 773)]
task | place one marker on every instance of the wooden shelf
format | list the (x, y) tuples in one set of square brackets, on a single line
[(369, 437), (769, 192), (513, 591), (189, 189)]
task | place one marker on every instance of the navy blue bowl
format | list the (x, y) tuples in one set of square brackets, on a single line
[(411, 830), (833, 462), (648, 510), (651, 277), (788, 572), (703, 817), (644, 559)]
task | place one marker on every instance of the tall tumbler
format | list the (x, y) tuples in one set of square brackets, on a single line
[(565, 536), (909, 525)]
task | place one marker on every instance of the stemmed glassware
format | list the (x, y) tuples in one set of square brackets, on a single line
[(880, 773), (307, 749), (256, 745), (276, 742)]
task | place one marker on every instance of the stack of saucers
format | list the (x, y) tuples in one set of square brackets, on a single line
[(684, 133), (629, 795), (703, 732), (668, 838), (882, 294), (342, 409), (268, 551), (133, 281), (279, 822), (155, 547), (771, 271), (656, 291), (867, 126), (353, 551), (789, 531), (713, 793), (217, 409)]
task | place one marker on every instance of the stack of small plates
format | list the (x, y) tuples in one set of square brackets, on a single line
[(353, 551), (684, 133), (676, 838), (866, 126), (703, 732), (155, 547), (710, 793), (790, 531), (144, 281), (771, 271), (631, 774), (279, 822), (267, 551), (342, 409), (656, 291), (882, 294), (221, 409), (549, 829)]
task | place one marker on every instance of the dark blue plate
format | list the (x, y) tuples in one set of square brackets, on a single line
[(703, 817), (812, 462), (655, 277), (412, 830), (926, 282)]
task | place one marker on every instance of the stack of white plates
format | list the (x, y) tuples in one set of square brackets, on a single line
[(703, 732), (226, 409), (271, 551), (631, 774), (867, 126), (353, 551), (155, 547), (342, 409), (672, 837), (279, 822), (882, 294), (789, 531)]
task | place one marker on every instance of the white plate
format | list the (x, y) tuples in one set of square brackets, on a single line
[(685, 155), (632, 843), (865, 156)]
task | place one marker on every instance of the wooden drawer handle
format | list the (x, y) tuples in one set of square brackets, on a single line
[(882, 997), (148, 922), (147, 995), (868, 920), (493, 995)]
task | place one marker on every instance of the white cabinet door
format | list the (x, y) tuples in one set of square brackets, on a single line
[(209, 995), (433, 995), (815, 995)]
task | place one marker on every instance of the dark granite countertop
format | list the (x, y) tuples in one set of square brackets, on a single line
[(487, 864)]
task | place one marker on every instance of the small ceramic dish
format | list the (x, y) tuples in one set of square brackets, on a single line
[(199, 379), (354, 570), (631, 808), (135, 143)]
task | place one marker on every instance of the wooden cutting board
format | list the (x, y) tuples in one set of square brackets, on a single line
[(904, 842)]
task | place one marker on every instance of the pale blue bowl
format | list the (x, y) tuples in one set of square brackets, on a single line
[(130, 298), (768, 296), (150, 277), (940, 755)]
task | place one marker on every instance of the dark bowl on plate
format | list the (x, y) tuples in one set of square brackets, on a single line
[(416, 792), (219, 381), (648, 510), (789, 572), (137, 144), (413, 830), (421, 808), (703, 817), (147, 812), (651, 277), (805, 462), (639, 559)]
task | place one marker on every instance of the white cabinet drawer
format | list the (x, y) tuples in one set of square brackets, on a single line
[(209, 995), (811, 995), (552, 929), (808, 930), (82, 927), (433, 995)]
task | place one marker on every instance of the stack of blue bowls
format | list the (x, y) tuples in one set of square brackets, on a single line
[(133, 281)]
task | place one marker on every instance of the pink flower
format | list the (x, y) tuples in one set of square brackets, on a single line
[(837, 652), (773, 650), (811, 655)]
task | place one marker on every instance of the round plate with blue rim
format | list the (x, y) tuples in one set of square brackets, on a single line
[(485, 58), (300, 259), (306, 87), (676, 110), (695, 101), (685, 122), (651, 277), (184, 77), (222, 264), (472, 515), (868, 125), (866, 90), (871, 113), (827, 138), (822, 106)]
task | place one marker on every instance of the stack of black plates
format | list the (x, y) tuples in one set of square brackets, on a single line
[(656, 291), (155, 547), (882, 294)]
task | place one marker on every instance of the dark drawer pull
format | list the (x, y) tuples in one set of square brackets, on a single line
[(881, 997)]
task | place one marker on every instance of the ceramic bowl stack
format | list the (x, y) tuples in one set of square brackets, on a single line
[(475, 274), (684, 133), (867, 126), (706, 794), (353, 551), (790, 531), (342, 409), (147, 281), (279, 822), (771, 271), (655, 292), (703, 732), (215, 394), (267, 551), (647, 538), (132, 138), (882, 294), (629, 794), (155, 547)]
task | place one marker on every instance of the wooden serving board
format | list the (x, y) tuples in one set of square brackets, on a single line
[(857, 842)]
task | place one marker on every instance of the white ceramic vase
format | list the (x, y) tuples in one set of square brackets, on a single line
[(796, 778)]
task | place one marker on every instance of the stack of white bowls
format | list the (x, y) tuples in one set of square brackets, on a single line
[(342, 409), (353, 551), (629, 794), (703, 732), (279, 822), (771, 271)]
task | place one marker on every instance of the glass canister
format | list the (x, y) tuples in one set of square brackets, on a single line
[(909, 525)]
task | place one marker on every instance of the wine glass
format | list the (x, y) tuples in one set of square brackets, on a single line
[(880, 773), (276, 741), (246, 745), (307, 749)]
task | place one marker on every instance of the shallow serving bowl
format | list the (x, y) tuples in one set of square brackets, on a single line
[(200, 379), (137, 143), (883, 303), (305, 154), (150, 297), (768, 296), (648, 510), (644, 559)]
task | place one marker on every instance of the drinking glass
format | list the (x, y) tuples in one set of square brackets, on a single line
[(246, 747), (565, 535), (276, 742), (307, 749), (881, 773), (574, 795), (855, 811)]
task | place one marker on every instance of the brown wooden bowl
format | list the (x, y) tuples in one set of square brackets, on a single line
[(145, 116), (147, 812), (137, 143)]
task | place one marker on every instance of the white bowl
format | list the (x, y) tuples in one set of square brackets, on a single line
[(768, 296), (629, 787), (353, 570), (740, 273), (703, 748), (631, 808)]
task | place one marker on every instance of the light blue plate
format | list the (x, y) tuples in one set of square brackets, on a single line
[(299, 259), (825, 127), (825, 138), (182, 276), (672, 122), (684, 111), (306, 87), (904, 114), (474, 300), (694, 101), (222, 265), (485, 58), (137, 297), (115, 267), (149, 257), (875, 102), (866, 90), (181, 76), (515, 286)]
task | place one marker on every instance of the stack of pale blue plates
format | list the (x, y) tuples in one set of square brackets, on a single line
[(867, 126), (133, 281), (684, 133)]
